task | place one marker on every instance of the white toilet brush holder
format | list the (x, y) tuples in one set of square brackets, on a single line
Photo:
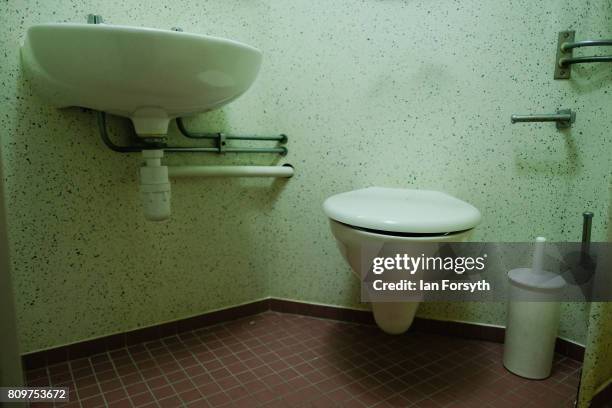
[(533, 321)]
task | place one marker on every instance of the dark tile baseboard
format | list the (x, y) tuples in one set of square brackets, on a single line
[(99, 345), (113, 341), (322, 311), (489, 333), (442, 327)]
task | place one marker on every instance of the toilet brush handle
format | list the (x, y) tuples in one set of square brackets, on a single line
[(537, 265), (587, 221), (585, 253)]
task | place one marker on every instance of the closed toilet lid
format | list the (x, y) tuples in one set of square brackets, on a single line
[(402, 210)]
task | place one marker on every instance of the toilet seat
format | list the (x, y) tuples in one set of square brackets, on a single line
[(402, 212)]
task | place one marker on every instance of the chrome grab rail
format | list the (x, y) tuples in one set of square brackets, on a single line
[(563, 118), (565, 62), (565, 53), (566, 46)]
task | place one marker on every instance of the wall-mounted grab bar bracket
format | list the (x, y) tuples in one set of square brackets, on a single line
[(221, 142), (564, 72), (564, 118), (565, 53), (94, 19)]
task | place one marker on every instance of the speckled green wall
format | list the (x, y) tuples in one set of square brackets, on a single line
[(419, 94), (86, 263), (597, 370), (402, 94)]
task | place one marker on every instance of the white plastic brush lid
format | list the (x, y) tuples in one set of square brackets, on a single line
[(525, 278), (402, 210)]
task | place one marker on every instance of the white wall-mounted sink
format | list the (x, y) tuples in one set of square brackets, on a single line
[(148, 75)]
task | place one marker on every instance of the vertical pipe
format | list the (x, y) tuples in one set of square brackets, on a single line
[(587, 221), (585, 252)]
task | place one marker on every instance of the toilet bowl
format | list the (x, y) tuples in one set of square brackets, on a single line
[(365, 221)]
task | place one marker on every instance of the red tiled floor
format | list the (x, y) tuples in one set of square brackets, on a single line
[(283, 360)]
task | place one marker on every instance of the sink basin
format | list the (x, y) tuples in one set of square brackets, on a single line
[(148, 75)]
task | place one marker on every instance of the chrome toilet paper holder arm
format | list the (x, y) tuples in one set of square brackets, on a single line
[(564, 118)]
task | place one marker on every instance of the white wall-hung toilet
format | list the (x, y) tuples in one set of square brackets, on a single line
[(367, 219)]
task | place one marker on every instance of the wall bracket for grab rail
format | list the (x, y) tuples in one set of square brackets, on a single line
[(565, 53), (563, 118)]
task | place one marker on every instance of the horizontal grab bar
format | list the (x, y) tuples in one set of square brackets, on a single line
[(566, 46), (540, 118), (564, 118), (231, 171), (565, 53), (565, 62)]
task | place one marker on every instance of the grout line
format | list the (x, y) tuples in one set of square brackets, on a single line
[(74, 382), (223, 365), (95, 373), (123, 386), (145, 380), (181, 368)]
